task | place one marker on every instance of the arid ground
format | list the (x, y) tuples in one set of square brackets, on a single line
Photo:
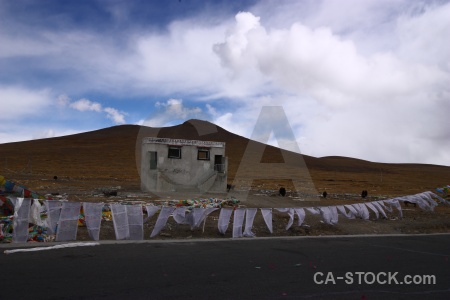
[(89, 163)]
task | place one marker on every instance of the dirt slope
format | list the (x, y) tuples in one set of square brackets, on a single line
[(107, 157)]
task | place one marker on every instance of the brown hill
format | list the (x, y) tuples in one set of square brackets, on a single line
[(108, 157)]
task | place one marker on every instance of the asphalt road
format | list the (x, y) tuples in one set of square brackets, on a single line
[(277, 268)]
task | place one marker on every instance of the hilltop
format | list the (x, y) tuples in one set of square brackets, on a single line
[(88, 163), (108, 157)]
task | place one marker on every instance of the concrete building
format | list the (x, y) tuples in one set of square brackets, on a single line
[(183, 165)]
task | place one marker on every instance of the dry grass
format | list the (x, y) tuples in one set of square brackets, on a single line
[(108, 157), (85, 163)]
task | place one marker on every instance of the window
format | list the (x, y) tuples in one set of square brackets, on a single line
[(153, 160), (174, 152), (203, 154)]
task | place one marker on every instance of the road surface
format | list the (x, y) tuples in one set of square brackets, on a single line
[(276, 268)]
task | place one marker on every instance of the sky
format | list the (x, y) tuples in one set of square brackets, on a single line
[(365, 79)]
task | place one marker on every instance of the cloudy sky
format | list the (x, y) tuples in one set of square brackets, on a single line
[(367, 79)]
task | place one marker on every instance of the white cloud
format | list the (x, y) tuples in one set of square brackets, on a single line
[(176, 108), (172, 112), (211, 110), (320, 63), (356, 78), (19, 102), (177, 60), (422, 36), (86, 105), (116, 116), (15, 133), (13, 46), (344, 102), (63, 100)]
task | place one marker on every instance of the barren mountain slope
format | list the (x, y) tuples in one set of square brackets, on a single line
[(108, 157)]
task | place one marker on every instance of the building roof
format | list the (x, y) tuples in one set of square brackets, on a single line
[(181, 142)]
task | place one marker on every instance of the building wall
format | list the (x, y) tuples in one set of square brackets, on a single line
[(187, 172)]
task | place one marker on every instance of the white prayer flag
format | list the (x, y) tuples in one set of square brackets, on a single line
[(428, 196), (162, 220), (348, 215), (197, 215), (93, 218), (250, 216), (68, 222), (208, 210), (381, 203), (135, 219), (432, 195), (53, 208), (352, 211), (301, 215), (364, 211), (423, 200), (325, 212), (394, 203), (179, 215), (372, 207), (313, 210), (267, 215), (151, 211), (380, 209), (35, 216), (357, 208), (21, 217), (334, 215), (291, 214), (239, 214), (224, 219), (120, 221)]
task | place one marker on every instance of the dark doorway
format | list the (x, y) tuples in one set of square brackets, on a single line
[(153, 160), (218, 163)]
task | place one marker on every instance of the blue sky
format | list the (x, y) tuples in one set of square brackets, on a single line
[(366, 79)]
